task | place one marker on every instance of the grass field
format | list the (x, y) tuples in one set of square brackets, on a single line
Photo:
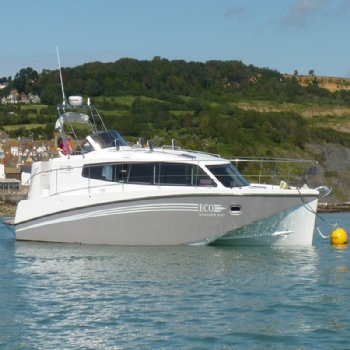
[(9, 128)]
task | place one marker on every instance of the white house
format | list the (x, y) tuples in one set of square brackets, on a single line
[(14, 151), (2, 171)]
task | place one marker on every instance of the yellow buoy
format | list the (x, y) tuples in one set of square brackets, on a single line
[(339, 237)]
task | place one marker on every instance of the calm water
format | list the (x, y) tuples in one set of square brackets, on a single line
[(58, 296)]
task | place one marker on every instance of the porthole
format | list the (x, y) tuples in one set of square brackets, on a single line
[(235, 209)]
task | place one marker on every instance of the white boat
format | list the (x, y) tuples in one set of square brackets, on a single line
[(109, 192)]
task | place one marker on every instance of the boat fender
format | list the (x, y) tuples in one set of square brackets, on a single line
[(339, 237), (284, 185)]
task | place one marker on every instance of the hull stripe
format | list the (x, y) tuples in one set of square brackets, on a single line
[(188, 207)]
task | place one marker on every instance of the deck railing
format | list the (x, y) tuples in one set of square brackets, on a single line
[(296, 172)]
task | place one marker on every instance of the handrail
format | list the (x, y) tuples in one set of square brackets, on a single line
[(275, 168)]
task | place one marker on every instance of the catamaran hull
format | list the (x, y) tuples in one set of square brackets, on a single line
[(273, 219), (294, 226)]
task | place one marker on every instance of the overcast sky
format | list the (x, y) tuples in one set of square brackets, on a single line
[(285, 35)]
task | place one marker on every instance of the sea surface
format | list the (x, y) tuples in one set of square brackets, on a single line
[(64, 296)]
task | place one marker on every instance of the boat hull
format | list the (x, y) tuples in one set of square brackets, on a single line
[(249, 218), (293, 226)]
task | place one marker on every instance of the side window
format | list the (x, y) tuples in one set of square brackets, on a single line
[(141, 173), (174, 174), (182, 175), (93, 172), (106, 172), (121, 172), (228, 175), (133, 173), (201, 178)]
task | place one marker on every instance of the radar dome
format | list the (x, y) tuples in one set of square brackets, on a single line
[(75, 100)]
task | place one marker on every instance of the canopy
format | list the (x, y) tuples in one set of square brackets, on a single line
[(71, 117)]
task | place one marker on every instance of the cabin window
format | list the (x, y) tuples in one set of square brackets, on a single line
[(106, 172), (93, 172), (173, 174), (121, 172), (141, 173), (201, 178), (182, 175), (228, 175)]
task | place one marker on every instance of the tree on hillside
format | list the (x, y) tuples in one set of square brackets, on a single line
[(311, 72), (25, 79)]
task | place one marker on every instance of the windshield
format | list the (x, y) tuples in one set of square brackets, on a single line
[(228, 175), (103, 139), (107, 139)]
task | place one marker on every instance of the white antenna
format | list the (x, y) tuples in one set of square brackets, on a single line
[(59, 68)]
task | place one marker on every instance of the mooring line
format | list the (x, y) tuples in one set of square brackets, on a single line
[(10, 227), (308, 207)]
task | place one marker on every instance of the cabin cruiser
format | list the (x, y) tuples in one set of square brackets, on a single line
[(109, 192)]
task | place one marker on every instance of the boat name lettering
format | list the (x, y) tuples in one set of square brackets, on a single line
[(206, 208), (213, 210), (65, 169)]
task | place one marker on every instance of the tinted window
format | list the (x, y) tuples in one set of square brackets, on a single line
[(174, 174), (107, 172), (141, 173), (182, 175), (104, 140), (228, 175), (108, 138), (150, 173), (92, 172)]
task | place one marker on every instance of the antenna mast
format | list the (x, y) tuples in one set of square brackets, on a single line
[(59, 68)]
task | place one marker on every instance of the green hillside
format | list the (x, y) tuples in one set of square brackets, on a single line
[(223, 107)]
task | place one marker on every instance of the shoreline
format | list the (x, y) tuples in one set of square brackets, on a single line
[(333, 207), (9, 201), (7, 210)]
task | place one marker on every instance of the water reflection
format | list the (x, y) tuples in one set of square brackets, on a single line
[(144, 297), (138, 293), (103, 263)]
